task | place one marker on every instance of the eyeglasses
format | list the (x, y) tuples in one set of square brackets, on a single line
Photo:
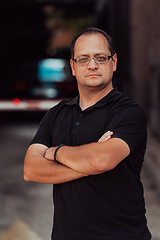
[(86, 60)]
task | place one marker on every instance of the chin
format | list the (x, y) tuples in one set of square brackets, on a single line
[(95, 86), (94, 83)]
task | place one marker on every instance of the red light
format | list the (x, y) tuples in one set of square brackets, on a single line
[(16, 102)]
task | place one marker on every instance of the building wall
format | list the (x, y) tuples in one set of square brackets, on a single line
[(145, 57)]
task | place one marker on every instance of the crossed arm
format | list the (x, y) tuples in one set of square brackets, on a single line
[(77, 162)]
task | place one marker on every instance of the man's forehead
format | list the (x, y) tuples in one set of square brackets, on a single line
[(91, 42), (88, 36)]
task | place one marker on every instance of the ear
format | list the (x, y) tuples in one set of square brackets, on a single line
[(114, 62), (72, 67)]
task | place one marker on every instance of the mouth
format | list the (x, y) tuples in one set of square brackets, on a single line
[(93, 75)]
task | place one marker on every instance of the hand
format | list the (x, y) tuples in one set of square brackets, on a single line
[(49, 153), (106, 136)]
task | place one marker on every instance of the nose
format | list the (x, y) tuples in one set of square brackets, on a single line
[(92, 64)]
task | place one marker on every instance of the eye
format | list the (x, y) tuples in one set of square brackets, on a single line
[(82, 60), (102, 58)]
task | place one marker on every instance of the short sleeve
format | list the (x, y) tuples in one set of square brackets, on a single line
[(130, 125), (43, 134)]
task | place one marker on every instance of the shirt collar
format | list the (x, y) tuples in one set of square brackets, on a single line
[(109, 97), (74, 101)]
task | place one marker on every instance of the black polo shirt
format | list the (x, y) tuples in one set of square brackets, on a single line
[(105, 206)]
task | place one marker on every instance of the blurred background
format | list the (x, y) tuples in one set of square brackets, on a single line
[(35, 38)]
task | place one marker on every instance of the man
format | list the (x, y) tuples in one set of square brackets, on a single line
[(92, 148)]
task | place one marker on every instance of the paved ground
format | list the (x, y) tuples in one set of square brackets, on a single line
[(26, 208), (152, 199), (151, 181), (20, 200)]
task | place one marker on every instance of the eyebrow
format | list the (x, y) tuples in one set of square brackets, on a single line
[(96, 54)]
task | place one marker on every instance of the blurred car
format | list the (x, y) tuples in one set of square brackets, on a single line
[(40, 85)]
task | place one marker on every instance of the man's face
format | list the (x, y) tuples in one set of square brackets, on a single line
[(93, 75)]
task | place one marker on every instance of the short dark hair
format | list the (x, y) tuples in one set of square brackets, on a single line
[(93, 30)]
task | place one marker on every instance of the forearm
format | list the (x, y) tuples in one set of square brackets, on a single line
[(93, 158), (85, 159), (39, 169)]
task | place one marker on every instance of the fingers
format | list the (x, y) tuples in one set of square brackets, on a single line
[(106, 136), (49, 153)]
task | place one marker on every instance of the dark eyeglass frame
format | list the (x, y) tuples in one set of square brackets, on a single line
[(95, 59)]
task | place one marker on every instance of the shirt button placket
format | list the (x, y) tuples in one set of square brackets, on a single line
[(78, 122)]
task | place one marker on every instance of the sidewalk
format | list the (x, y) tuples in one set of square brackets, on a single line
[(152, 160), (18, 231)]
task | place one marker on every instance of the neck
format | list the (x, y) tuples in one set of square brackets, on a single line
[(89, 98)]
